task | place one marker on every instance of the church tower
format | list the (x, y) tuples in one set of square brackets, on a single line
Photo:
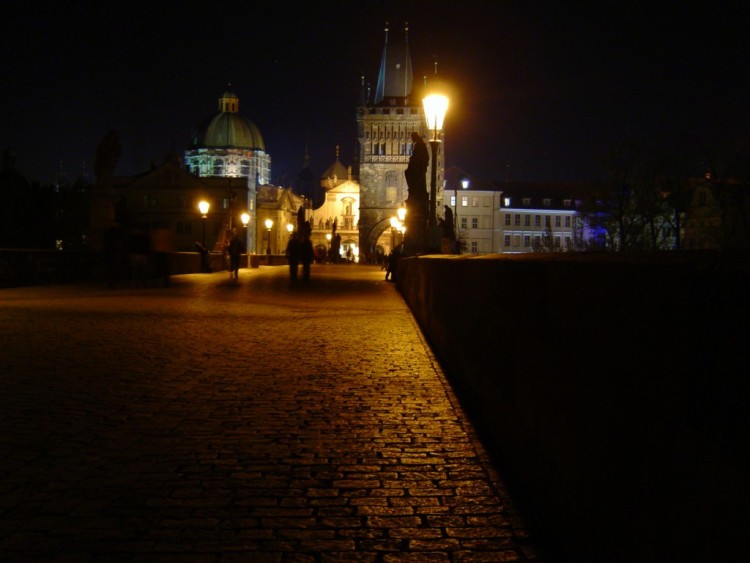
[(385, 122)]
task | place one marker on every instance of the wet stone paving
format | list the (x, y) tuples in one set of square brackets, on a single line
[(251, 420)]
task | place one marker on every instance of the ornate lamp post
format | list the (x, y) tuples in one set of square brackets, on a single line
[(203, 207), (269, 224), (464, 185), (290, 229), (435, 108), (245, 218)]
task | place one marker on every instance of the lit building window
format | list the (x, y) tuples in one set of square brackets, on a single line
[(453, 201), (464, 201), (507, 202)]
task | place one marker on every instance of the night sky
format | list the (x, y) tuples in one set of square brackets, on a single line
[(540, 87)]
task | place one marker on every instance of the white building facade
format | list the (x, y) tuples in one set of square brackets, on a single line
[(513, 218)]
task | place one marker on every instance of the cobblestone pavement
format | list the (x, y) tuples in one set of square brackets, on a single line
[(225, 421)]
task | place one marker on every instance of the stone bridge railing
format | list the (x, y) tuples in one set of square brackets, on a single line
[(612, 390)]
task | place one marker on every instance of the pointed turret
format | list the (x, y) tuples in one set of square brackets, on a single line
[(395, 76)]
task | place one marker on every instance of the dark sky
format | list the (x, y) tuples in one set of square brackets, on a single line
[(540, 87)]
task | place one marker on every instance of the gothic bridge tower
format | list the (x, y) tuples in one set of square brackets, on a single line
[(385, 123)]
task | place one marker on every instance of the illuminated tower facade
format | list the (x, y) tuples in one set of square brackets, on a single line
[(385, 122)]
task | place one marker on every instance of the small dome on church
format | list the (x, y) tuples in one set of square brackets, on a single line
[(227, 128), (336, 173)]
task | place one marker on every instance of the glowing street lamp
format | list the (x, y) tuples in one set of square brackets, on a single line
[(289, 228), (435, 108), (269, 224), (401, 212), (203, 207)]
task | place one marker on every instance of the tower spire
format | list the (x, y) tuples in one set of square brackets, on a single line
[(395, 75)]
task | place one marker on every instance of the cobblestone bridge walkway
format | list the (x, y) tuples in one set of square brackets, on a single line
[(227, 421)]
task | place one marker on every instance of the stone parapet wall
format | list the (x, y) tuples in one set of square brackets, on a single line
[(21, 267), (610, 387)]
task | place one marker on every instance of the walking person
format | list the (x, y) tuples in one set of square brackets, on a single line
[(307, 253), (235, 252), (293, 254), (392, 264)]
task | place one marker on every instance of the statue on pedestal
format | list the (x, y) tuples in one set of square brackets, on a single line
[(417, 202), (449, 231)]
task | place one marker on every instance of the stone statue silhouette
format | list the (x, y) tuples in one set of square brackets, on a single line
[(416, 171), (416, 203), (448, 226)]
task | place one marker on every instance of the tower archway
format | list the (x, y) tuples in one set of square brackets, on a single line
[(379, 240)]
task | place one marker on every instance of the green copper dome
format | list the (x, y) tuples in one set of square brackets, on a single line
[(227, 129)]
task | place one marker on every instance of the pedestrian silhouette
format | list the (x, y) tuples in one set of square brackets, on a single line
[(205, 266), (392, 264), (235, 252), (293, 253), (307, 253)]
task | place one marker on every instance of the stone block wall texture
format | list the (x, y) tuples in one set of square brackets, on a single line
[(611, 389)]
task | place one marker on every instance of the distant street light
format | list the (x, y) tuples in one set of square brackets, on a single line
[(290, 229), (203, 207), (435, 108), (269, 224), (464, 185)]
